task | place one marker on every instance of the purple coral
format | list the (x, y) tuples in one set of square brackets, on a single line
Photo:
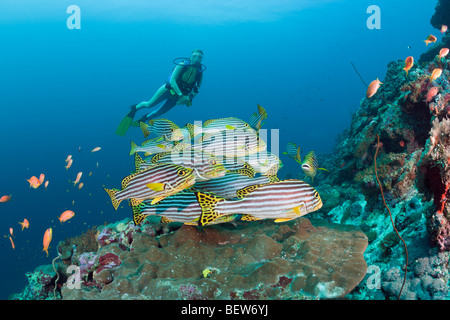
[(106, 237)]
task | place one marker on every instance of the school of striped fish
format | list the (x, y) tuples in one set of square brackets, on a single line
[(213, 172)]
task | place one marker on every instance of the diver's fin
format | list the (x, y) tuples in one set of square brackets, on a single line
[(112, 194), (126, 122)]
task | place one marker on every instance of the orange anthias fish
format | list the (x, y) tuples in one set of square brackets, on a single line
[(46, 184), (80, 185), (34, 182), (444, 29), (24, 224), (5, 198), (78, 178), (96, 149), (69, 163), (431, 93), (68, 157), (66, 215), (373, 88), (47, 239), (11, 232), (442, 53), (436, 74), (41, 178), (430, 39), (409, 62), (12, 243)]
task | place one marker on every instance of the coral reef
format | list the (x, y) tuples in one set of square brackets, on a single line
[(258, 260), (410, 114)]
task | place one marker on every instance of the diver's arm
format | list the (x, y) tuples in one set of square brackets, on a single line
[(173, 80)]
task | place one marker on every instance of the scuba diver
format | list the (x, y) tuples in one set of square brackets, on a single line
[(181, 87)]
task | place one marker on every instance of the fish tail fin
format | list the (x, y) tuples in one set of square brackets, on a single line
[(112, 194), (145, 129), (133, 148), (22, 224), (138, 217), (137, 162), (208, 204), (46, 251)]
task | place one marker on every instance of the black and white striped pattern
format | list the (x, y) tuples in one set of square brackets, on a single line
[(227, 186), (274, 200), (232, 143), (205, 166), (174, 177)]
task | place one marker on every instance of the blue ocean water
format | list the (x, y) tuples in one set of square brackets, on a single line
[(64, 91)]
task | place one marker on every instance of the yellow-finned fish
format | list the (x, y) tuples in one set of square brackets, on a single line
[(156, 182), (293, 152), (152, 146), (205, 166), (310, 165), (282, 201), (162, 128)]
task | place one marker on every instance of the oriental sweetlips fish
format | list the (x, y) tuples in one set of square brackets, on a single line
[(181, 207), (156, 182), (309, 164), (162, 128), (282, 201), (205, 166)]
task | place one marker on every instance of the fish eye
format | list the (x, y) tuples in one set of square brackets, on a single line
[(212, 162), (182, 172), (316, 195)]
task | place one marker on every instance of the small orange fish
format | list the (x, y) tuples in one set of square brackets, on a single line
[(66, 215), (11, 232), (47, 239), (402, 143), (443, 29), (34, 182), (96, 149), (69, 164), (46, 184), (442, 53), (24, 224), (436, 74), (41, 178), (90, 173), (409, 62), (12, 243), (5, 198), (431, 93), (68, 157), (373, 88), (430, 39), (78, 178), (80, 185)]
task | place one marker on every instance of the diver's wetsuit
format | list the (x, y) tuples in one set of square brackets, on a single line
[(188, 80)]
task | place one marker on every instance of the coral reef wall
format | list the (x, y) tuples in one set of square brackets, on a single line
[(410, 115)]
